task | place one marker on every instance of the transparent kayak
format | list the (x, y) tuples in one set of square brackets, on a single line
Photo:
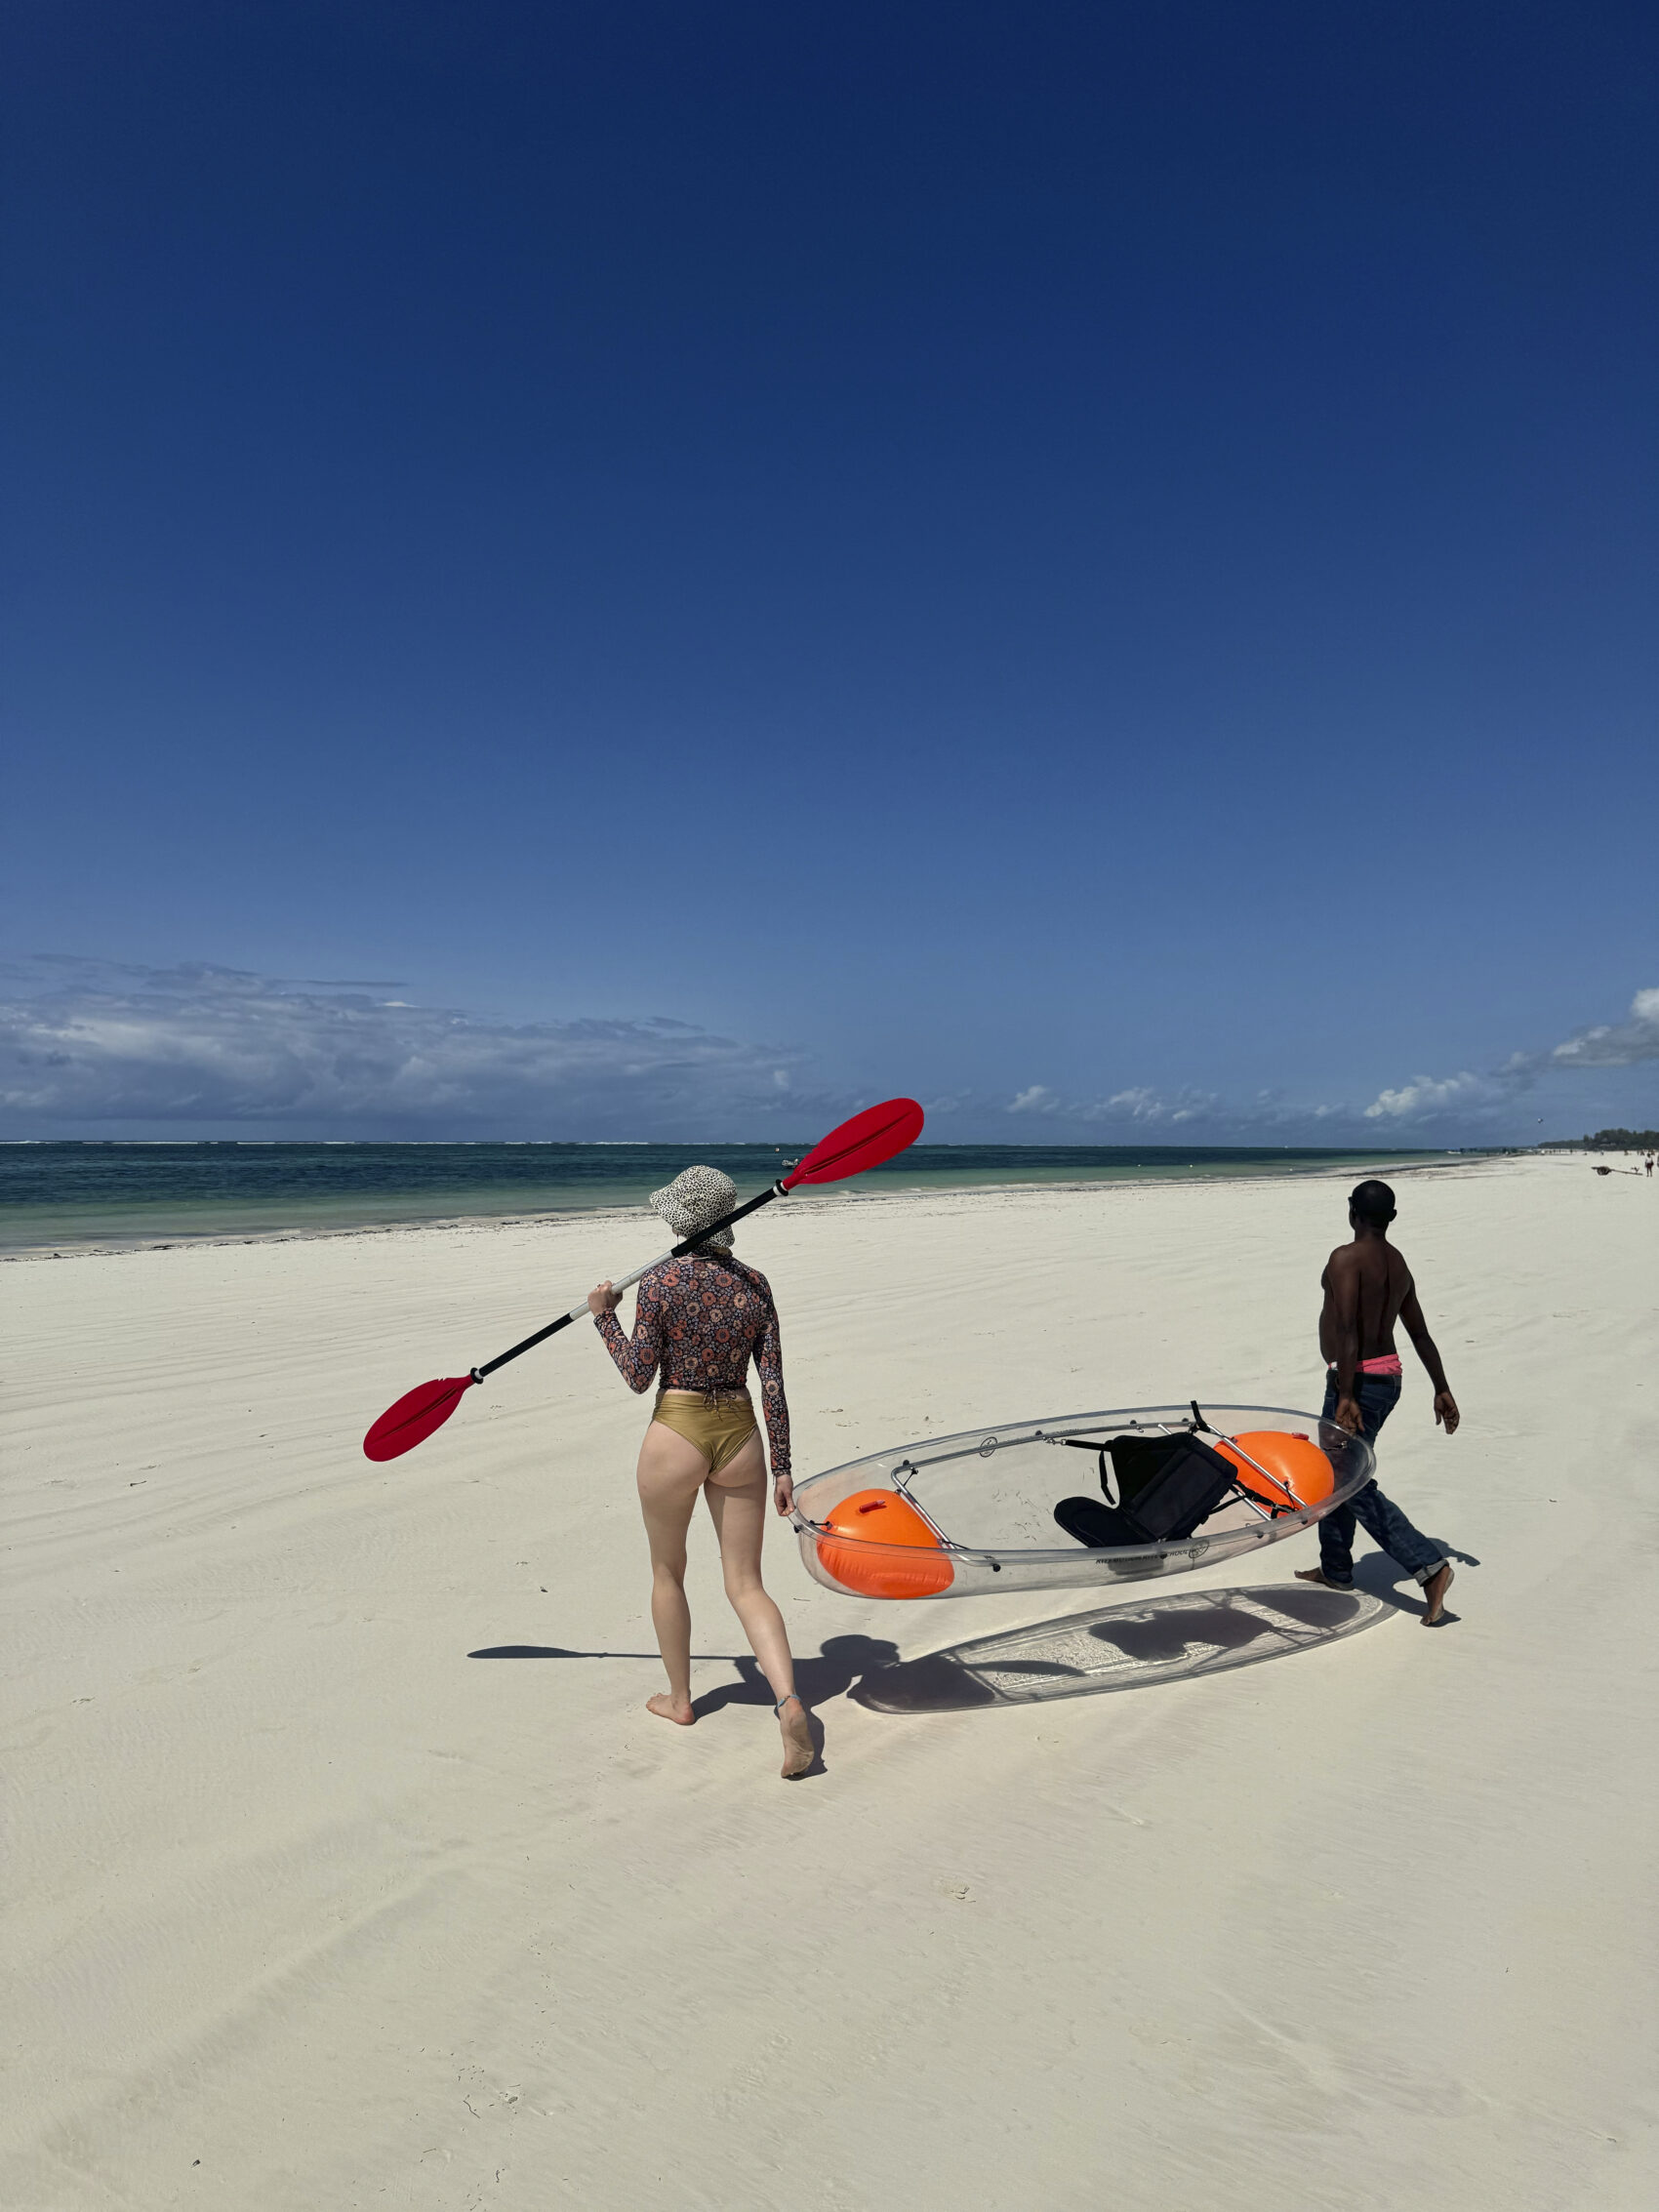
[(965, 1515)]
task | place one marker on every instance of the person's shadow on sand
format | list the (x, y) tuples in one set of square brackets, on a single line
[(841, 1662), (1382, 1577)]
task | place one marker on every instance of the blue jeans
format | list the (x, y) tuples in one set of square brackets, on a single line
[(1379, 1517)]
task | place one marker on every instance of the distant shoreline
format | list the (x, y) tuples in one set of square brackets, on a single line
[(875, 1189)]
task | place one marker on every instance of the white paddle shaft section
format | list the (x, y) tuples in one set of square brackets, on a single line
[(687, 1244), (626, 1282), (580, 1312)]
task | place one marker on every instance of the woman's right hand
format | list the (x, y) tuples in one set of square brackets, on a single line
[(602, 1298)]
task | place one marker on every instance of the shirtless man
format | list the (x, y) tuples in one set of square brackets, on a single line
[(1368, 1288)]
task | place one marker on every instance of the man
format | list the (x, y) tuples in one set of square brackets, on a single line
[(1368, 1288)]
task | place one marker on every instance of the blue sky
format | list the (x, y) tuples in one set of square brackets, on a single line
[(648, 569)]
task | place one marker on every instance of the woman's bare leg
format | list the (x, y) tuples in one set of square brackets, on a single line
[(672, 1471), (736, 1505)]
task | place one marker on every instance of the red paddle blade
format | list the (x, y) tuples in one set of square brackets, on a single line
[(413, 1416), (864, 1142)]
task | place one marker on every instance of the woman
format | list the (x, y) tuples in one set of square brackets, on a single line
[(699, 1320)]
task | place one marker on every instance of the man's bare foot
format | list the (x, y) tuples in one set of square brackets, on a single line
[(1317, 1575), (1435, 1590), (798, 1750), (666, 1706)]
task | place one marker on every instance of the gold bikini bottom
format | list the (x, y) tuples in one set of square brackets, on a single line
[(718, 1423)]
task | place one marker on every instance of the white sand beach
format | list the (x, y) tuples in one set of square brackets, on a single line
[(308, 1906)]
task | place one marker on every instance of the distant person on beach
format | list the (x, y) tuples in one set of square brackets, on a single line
[(1368, 1288), (698, 1322)]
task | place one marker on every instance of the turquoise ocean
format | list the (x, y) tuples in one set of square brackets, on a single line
[(57, 1196)]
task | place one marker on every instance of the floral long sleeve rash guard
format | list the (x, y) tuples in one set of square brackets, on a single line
[(697, 1325)]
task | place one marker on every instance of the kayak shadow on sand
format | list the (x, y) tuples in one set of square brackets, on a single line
[(1123, 1647), (1171, 1638)]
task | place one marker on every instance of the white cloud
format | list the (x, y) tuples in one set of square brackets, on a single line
[(1615, 1046), (1138, 1104), (93, 1046), (86, 1042), (1427, 1095), (1623, 1044), (1143, 1104)]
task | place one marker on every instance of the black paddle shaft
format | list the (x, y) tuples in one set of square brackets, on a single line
[(778, 1191)]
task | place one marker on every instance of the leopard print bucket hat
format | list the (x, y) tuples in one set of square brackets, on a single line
[(695, 1195)]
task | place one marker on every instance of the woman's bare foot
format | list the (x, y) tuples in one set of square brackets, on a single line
[(1317, 1575), (666, 1706), (798, 1750), (1435, 1590)]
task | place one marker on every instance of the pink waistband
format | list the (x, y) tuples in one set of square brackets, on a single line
[(1386, 1364)]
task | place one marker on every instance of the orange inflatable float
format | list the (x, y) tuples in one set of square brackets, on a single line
[(1296, 1462), (916, 1566)]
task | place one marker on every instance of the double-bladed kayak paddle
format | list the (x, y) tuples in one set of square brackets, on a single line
[(864, 1142)]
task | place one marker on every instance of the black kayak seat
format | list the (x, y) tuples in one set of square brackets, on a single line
[(1166, 1486)]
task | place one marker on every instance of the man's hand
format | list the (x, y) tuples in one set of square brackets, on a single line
[(1445, 1411), (782, 1494), (602, 1298), (1350, 1416)]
